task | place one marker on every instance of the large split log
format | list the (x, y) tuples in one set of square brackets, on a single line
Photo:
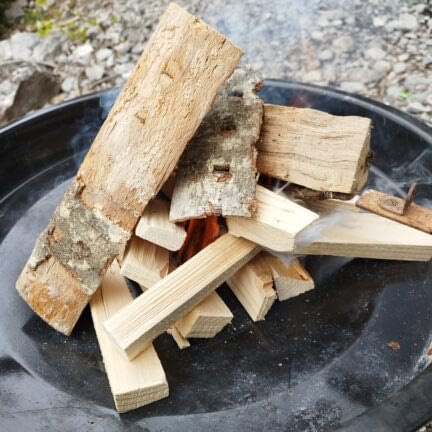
[(345, 230), (152, 313), (277, 223), (314, 149), (133, 383), (217, 172), (172, 87)]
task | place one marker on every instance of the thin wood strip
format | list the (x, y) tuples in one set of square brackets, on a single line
[(135, 326), (133, 383)]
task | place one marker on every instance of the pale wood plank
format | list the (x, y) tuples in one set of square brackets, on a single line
[(345, 230), (145, 262), (133, 383), (181, 341), (155, 226), (276, 224), (314, 149), (169, 92), (135, 326), (206, 319), (290, 279), (252, 285)]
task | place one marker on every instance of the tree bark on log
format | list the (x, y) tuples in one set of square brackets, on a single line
[(172, 87), (217, 171)]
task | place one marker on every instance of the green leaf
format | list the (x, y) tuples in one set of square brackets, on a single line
[(405, 95)]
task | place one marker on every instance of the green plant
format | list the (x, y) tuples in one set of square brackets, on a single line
[(66, 18), (405, 95)]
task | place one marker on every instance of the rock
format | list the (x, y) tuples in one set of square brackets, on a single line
[(325, 55), (428, 100), (110, 62), (5, 50), (95, 73), (22, 44), (48, 48), (123, 48), (382, 66), (70, 84), (25, 86), (344, 44), (353, 86), (15, 10), (406, 22), (138, 48), (417, 80), (394, 91), (399, 67), (82, 54), (378, 21), (375, 53), (427, 61), (313, 76), (317, 36), (103, 54), (417, 108)]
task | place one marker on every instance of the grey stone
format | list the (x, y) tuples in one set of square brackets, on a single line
[(48, 48), (417, 80), (344, 43), (69, 84), (403, 57), (379, 21), (95, 72), (82, 54), (417, 108), (313, 76), (15, 9), (399, 67), (22, 44), (407, 22), (103, 54), (325, 55), (123, 48), (382, 66), (317, 36), (375, 53), (394, 91), (5, 50), (25, 86), (353, 86)]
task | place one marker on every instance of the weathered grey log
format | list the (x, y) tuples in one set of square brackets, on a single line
[(217, 171), (182, 69)]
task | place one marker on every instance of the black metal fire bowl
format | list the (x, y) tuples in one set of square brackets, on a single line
[(318, 362)]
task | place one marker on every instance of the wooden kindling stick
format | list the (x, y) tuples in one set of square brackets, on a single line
[(133, 383), (277, 223), (172, 87), (152, 313)]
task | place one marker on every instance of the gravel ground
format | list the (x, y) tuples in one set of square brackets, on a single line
[(381, 49), (377, 48)]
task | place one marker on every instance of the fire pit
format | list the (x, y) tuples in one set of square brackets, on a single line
[(330, 358)]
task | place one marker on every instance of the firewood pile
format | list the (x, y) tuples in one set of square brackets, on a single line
[(193, 181)]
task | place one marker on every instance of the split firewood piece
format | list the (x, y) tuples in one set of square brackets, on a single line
[(414, 216), (314, 149), (133, 383), (155, 226), (145, 262), (206, 319), (345, 230), (153, 312), (181, 341), (217, 171), (290, 279), (276, 224), (181, 71), (253, 287)]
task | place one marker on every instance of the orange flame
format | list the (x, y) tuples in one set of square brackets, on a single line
[(200, 233)]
